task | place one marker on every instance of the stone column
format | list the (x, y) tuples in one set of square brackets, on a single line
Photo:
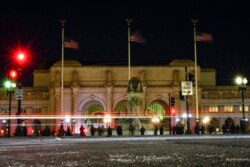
[(109, 99), (109, 88), (74, 108), (57, 108)]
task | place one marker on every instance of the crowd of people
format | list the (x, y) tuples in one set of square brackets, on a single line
[(158, 130), (100, 130)]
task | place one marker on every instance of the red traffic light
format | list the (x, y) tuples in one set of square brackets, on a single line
[(21, 58), (173, 110), (13, 74)]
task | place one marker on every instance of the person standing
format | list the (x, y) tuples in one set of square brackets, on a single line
[(82, 131), (109, 131), (142, 130), (156, 130), (92, 130), (161, 130), (99, 130)]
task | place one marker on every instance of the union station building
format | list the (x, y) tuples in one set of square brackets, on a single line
[(103, 95)]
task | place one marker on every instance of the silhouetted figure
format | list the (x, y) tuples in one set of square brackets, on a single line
[(102, 130), (92, 130), (142, 130), (174, 130), (119, 130), (243, 126), (109, 131), (179, 128), (156, 130), (99, 130), (46, 131), (233, 128), (197, 128), (161, 130), (24, 131), (68, 132), (237, 128), (210, 129), (224, 129), (202, 129), (131, 129), (61, 130), (82, 131)]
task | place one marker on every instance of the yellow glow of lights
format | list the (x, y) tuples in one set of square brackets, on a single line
[(206, 119)]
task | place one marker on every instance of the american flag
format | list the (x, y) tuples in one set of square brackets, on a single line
[(137, 37), (69, 43), (204, 37)]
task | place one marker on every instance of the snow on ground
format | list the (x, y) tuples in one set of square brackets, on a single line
[(190, 150)]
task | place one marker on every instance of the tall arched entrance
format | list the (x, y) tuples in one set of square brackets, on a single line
[(94, 112), (158, 109)]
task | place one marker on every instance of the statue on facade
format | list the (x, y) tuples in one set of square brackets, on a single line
[(135, 100)]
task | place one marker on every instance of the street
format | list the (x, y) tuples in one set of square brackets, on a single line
[(184, 150)]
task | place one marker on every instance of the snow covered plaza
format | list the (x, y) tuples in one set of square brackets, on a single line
[(184, 150)]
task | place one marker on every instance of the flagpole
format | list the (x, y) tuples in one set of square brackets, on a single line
[(62, 70), (129, 23), (196, 72)]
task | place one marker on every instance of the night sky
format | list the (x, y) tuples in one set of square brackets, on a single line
[(101, 30)]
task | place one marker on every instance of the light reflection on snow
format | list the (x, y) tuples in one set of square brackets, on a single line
[(127, 158), (238, 159)]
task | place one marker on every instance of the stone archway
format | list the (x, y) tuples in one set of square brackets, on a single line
[(93, 108), (157, 108)]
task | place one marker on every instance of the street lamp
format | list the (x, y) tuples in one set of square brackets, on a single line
[(67, 120), (3, 130), (206, 119), (155, 120), (10, 86), (241, 82), (107, 119)]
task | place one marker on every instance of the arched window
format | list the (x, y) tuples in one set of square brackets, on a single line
[(93, 109), (157, 109)]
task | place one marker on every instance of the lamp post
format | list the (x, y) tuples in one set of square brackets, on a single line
[(241, 82), (10, 86), (73, 128)]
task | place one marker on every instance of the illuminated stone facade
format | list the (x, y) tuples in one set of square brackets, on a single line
[(97, 91)]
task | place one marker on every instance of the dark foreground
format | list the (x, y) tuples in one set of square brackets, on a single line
[(133, 151)]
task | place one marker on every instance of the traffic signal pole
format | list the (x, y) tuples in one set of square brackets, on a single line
[(9, 125), (170, 119), (19, 109), (187, 105)]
